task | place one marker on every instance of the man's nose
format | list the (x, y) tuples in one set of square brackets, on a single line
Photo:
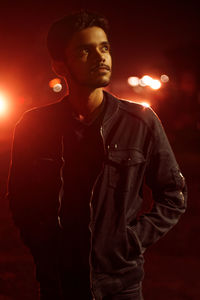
[(99, 56)]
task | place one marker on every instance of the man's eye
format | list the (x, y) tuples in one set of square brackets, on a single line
[(105, 48), (84, 51)]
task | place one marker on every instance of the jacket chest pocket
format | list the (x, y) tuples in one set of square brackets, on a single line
[(125, 168)]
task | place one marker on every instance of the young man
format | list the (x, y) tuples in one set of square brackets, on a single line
[(79, 167)]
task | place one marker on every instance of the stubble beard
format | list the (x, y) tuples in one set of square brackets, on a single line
[(99, 83)]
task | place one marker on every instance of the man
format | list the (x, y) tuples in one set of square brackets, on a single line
[(79, 168)]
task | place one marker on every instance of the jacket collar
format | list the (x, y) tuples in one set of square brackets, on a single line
[(112, 106)]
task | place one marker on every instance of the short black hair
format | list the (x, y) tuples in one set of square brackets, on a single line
[(62, 30)]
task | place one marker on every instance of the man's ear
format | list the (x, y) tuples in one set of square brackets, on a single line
[(59, 67)]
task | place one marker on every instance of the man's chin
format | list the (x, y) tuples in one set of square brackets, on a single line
[(101, 83), (94, 84)]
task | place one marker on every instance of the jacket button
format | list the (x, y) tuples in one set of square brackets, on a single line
[(116, 146)]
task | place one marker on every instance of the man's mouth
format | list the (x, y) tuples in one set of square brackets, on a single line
[(100, 67)]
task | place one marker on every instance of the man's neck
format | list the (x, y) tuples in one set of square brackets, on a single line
[(84, 102)]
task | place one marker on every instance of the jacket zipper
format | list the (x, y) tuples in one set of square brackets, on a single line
[(62, 180), (91, 213)]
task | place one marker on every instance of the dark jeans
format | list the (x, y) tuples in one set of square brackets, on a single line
[(74, 287), (61, 278)]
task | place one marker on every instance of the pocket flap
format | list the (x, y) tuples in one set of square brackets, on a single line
[(126, 157)]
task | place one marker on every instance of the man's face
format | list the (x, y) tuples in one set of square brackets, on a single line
[(88, 58)]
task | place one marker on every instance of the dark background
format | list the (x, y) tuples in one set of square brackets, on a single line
[(151, 38)]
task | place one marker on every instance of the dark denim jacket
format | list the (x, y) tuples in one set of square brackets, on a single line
[(137, 154)]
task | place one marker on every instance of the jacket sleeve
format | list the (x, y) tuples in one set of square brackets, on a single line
[(19, 179), (34, 180), (168, 187), (21, 192)]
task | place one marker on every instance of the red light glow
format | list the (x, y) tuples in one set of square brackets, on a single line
[(3, 105), (145, 104), (54, 82)]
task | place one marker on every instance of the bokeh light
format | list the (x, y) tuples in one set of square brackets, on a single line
[(133, 81), (141, 83), (56, 85), (164, 78), (146, 80), (155, 84)]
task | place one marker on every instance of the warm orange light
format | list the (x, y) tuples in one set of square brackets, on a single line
[(146, 80), (164, 78), (155, 84), (57, 88), (133, 81), (54, 82), (141, 83), (56, 85), (3, 105), (145, 104)]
